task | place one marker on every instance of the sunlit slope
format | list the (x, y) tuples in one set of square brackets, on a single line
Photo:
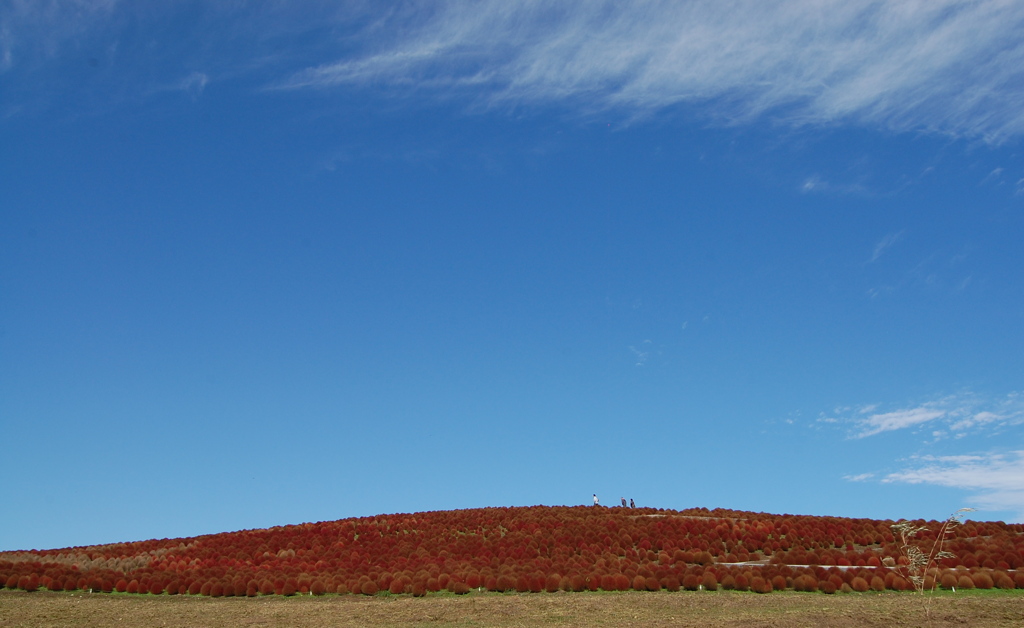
[(540, 548)]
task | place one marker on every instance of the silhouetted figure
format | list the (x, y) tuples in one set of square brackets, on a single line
[(631, 504), (623, 501), (596, 500)]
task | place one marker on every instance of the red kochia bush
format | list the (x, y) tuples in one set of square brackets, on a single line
[(1003, 580), (369, 587), (552, 582), (982, 580), (523, 584), (28, 583), (760, 585), (709, 582), (577, 583)]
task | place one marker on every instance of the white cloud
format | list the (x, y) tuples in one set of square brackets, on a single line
[(898, 420), (860, 477), (949, 66), (194, 84), (944, 65), (997, 479), (883, 244), (957, 415)]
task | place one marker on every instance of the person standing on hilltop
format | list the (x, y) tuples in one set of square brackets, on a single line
[(596, 500), (623, 501), (631, 504)]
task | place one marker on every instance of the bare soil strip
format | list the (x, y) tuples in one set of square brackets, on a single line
[(723, 608)]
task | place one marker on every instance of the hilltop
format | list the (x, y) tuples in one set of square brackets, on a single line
[(530, 549)]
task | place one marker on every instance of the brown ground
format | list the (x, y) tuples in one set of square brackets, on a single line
[(713, 610)]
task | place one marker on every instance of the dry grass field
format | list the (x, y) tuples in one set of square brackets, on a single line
[(723, 608)]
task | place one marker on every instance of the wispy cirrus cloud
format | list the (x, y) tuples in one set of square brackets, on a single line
[(884, 244), (949, 416), (945, 66), (899, 419), (948, 66), (996, 478)]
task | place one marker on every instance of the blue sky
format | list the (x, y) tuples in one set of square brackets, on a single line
[(264, 263)]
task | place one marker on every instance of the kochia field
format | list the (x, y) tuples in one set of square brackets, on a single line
[(531, 549)]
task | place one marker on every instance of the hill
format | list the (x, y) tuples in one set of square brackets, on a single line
[(539, 548)]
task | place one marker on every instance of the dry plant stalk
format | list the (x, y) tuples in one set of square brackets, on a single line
[(919, 562)]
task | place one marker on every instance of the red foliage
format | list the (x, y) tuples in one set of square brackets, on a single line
[(369, 587), (28, 583), (710, 581), (760, 585), (552, 583), (1002, 580), (587, 548), (982, 580), (742, 583), (947, 580), (805, 582), (859, 584), (503, 583), (523, 584)]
